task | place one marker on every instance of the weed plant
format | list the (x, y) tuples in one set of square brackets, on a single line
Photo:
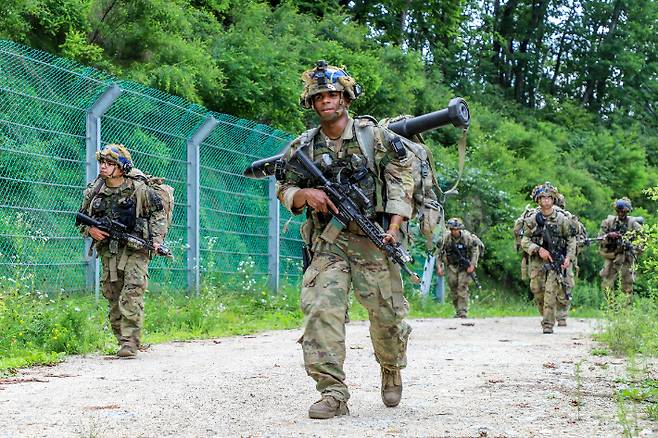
[(43, 328)]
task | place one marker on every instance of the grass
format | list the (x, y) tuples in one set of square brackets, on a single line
[(43, 328), (631, 330)]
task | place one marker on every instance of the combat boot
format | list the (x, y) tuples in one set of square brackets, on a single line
[(562, 323), (391, 387), (127, 351), (547, 330), (328, 407)]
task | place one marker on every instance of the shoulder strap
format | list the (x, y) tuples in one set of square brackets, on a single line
[(461, 144), (306, 140), (98, 186), (365, 138)]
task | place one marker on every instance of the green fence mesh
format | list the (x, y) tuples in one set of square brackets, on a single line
[(44, 101)]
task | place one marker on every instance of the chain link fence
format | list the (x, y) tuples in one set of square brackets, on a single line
[(54, 115)]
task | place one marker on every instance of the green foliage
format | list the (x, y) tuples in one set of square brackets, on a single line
[(245, 58), (41, 328), (631, 329)]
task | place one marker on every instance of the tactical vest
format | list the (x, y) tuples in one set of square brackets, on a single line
[(118, 206), (546, 229), (457, 251)]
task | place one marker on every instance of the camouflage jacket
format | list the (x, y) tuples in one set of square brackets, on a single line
[(561, 229), (389, 187), (134, 204), (465, 245)]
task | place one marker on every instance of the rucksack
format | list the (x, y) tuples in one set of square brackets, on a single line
[(427, 209), (479, 243), (165, 191), (518, 225)]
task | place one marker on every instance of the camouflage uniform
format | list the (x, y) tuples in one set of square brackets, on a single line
[(458, 279), (346, 258), (544, 283), (564, 301), (618, 254), (125, 270)]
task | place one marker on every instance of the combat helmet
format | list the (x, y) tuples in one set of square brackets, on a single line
[(116, 153), (455, 223), (623, 204), (546, 189), (326, 77)]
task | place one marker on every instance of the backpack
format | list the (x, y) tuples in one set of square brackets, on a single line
[(426, 206), (518, 225), (479, 244), (165, 191)]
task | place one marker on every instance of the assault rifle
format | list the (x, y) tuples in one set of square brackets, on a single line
[(626, 245), (558, 258), (591, 240), (464, 263), (119, 231), (348, 210)]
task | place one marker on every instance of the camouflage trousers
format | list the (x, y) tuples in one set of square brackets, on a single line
[(547, 291), (564, 303), (125, 294), (458, 281), (352, 261), (621, 267)]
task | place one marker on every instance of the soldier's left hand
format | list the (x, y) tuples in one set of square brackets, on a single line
[(566, 263), (470, 269), (156, 246)]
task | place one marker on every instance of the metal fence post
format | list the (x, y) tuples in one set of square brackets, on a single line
[(93, 143), (428, 272), (193, 201), (273, 246), (440, 290)]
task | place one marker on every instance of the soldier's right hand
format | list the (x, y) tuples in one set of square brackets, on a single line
[(545, 255), (439, 271), (613, 235), (97, 233), (319, 201)]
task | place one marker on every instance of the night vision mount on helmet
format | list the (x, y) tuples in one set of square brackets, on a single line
[(325, 77)]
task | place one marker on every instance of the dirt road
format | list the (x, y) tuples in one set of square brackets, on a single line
[(466, 378)]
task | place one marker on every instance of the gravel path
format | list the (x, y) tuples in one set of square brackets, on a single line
[(495, 377)]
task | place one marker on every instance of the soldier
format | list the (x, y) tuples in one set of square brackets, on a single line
[(344, 259), (116, 196), (617, 249), (549, 240), (564, 300), (459, 250)]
